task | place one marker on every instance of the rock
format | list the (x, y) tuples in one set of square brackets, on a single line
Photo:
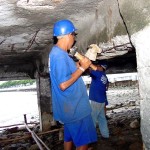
[(135, 146), (34, 147), (135, 124), (21, 148)]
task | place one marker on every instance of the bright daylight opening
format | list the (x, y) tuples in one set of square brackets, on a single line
[(18, 98)]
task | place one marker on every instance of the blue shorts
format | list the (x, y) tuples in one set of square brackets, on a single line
[(80, 132)]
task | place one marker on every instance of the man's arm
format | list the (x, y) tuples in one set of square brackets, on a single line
[(83, 65)]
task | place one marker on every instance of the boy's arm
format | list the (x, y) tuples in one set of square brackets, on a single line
[(107, 85)]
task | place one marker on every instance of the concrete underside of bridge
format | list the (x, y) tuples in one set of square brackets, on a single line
[(120, 27)]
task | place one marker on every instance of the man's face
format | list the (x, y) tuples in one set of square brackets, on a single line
[(72, 37)]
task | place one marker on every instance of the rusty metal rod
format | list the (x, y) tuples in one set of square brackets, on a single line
[(19, 124), (25, 118), (114, 47), (28, 136)]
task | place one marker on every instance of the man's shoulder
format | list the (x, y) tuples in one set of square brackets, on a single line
[(55, 51)]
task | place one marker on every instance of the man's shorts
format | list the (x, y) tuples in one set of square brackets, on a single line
[(80, 132)]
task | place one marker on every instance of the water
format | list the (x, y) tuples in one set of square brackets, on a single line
[(13, 106)]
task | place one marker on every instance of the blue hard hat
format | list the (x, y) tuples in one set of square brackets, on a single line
[(103, 65), (63, 27)]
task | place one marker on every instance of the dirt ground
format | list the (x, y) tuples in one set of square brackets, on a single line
[(122, 136)]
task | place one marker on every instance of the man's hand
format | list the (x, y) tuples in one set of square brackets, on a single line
[(85, 63)]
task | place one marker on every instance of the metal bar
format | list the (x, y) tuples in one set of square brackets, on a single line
[(34, 137)]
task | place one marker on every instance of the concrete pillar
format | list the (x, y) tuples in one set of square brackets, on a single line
[(44, 102), (142, 45)]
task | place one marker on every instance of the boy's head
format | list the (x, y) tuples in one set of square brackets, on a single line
[(103, 65)]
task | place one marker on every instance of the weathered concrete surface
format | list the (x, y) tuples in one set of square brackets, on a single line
[(26, 29), (141, 41), (137, 18)]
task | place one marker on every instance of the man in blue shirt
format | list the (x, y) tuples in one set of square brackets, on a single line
[(70, 101), (97, 95)]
